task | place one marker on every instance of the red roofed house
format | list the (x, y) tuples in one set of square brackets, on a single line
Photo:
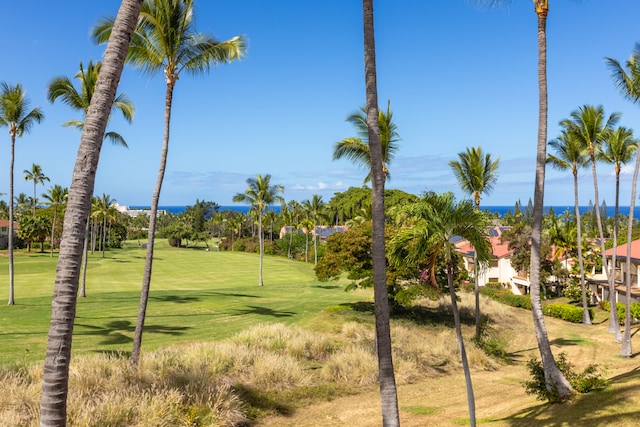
[(620, 273), (4, 232), (500, 268)]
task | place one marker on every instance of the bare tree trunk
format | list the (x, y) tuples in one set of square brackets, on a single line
[(11, 214), (586, 318), (626, 348), (388, 391), (55, 383), (85, 260)]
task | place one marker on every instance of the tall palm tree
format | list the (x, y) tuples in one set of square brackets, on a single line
[(476, 173), (436, 219), (591, 127), (79, 99), (38, 177), (55, 383), (260, 193), (16, 115), (314, 209), (55, 197), (377, 160), (571, 154), (166, 42), (356, 149), (628, 82), (554, 378), (101, 210)]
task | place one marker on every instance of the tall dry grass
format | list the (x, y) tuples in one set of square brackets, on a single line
[(256, 372)]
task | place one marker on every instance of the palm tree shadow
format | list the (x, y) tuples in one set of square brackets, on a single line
[(121, 331), (264, 311)]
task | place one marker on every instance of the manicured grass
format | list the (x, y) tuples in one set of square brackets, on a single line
[(195, 296)]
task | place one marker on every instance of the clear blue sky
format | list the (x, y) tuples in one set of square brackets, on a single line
[(457, 75)]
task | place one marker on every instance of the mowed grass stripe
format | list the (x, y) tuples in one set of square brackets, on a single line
[(195, 296)]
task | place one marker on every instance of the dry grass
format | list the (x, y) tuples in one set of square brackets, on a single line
[(279, 375)]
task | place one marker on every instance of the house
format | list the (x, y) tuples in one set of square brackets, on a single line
[(500, 268), (601, 288), (4, 233)]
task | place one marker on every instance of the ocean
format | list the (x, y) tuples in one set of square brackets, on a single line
[(501, 210)]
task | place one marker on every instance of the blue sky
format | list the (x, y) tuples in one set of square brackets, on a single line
[(457, 75)]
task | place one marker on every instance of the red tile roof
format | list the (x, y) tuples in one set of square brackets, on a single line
[(621, 251), (5, 223)]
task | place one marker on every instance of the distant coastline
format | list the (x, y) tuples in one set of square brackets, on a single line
[(501, 210)]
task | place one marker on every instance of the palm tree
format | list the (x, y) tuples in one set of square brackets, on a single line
[(55, 383), (554, 378), (628, 82), (101, 210), (79, 99), (165, 41), (436, 219), (314, 209), (377, 160), (476, 174), (590, 126), (571, 154), (356, 149), (38, 177), (16, 115), (260, 193), (55, 197)]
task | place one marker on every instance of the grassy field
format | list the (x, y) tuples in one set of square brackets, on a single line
[(219, 350), (195, 296)]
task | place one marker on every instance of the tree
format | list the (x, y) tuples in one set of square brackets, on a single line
[(55, 197), (34, 228), (165, 41), (377, 161), (590, 126), (260, 193), (55, 383), (436, 220), (80, 99), (628, 82), (356, 149), (476, 173), (101, 211), (38, 177), (314, 209), (572, 155), (16, 115)]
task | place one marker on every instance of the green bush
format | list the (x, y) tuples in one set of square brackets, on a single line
[(505, 296), (567, 312), (635, 310), (591, 378)]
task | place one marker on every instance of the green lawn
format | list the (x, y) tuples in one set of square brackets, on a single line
[(195, 296)]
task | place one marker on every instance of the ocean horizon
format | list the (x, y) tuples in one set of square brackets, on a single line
[(500, 210)]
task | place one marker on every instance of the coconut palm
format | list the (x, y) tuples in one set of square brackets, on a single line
[(476, 173), (55, 383), (55, 197), (571, 154), (166, 42), (591, 127), (356, 149), (16, 115), (79, 99), (377, 160), (260, 193), (436, 219), (314, 209), (628, 82), (38, 177), (101, 209)]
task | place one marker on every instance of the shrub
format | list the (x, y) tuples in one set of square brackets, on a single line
[(567, 312), (591, 378), (635, 310), (574, 292)]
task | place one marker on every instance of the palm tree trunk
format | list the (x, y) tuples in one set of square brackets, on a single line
[(53, 228), (148, 262), (85, 259), (55, 385), (10, 236), (261, 242), (104, 233), (315, 244), (554, 379), (625, 349), (471, 401), (388, 391), (586, 318)]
